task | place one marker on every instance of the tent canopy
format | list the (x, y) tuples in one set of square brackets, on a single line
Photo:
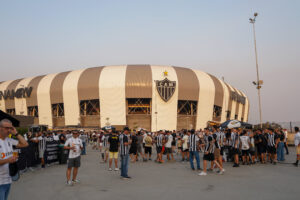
[(14, 121)]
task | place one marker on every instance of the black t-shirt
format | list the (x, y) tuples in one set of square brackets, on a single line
[(263, 139), (62, 139), (113, 143), (134, 140), (174, 137)]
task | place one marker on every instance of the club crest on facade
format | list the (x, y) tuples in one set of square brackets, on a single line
[(165, 88)]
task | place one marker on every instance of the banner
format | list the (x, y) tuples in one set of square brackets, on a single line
[(51, 151)]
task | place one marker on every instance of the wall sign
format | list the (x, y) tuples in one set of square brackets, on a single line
[(238, 98), (19, 93), (165, 88)]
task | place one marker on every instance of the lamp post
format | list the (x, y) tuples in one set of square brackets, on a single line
[(258, 83)]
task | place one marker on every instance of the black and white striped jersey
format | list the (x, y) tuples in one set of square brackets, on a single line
[(123, 147), (193, 142), (42, 143), (271, 140), (159, 140)]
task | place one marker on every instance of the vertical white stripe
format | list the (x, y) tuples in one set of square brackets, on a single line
[(225, 101), (166, 117), (206, 99), (20, 103), (43, 99), (3, 87), (112, 95), (70, 97)]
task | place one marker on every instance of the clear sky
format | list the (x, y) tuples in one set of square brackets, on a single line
[(42, 37)]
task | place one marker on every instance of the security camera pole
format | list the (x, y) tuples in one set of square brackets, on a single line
[(258, 83)]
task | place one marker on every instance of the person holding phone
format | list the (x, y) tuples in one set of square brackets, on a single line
[(6, 154)]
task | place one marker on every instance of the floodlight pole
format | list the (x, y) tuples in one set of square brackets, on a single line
[(258, 82)]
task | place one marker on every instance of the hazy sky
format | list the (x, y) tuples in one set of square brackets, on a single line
[(42, 37)]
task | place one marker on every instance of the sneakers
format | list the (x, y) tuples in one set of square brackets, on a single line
[(126, 178), (69, 183), (202, 174), (235, 165), (116, 169), (110, 169), (75, 181)]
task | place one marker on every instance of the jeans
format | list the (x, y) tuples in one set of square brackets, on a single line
[(124, 165), (4, 190), (192, 155), (280, 151), (83, 152)]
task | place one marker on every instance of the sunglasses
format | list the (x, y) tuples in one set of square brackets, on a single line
[(7, 127)]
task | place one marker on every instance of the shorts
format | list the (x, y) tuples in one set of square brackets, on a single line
[(158, 149), (74, 162), (139, 148), (185, 150), (148, 150), (168, 150), (113, 155), (271, 150), (173, 143), (252, 153), (261, 149), (222, 151), (245, 152), (235, 151), (217, 153), (180, 148), (209, 157), (41, 153), (133, 150)]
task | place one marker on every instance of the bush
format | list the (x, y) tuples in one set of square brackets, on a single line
[(22, 131)]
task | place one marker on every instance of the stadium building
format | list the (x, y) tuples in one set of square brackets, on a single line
[(145, 96)]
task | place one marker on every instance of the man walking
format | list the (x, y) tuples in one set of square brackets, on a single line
[(74, 144), (6, 154), (193, 149), (124, 154)]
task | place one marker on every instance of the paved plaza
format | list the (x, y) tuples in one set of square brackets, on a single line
[(161, 181)]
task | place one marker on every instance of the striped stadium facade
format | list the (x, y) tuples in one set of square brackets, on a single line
[(125, 95)]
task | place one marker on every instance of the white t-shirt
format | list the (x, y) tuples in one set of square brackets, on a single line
[(297, 139), (169, 142), (6, 151), (185, 142), (74, 142), (245, 142)]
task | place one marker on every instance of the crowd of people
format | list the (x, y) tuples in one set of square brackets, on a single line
[(240, 146), (218, 145)]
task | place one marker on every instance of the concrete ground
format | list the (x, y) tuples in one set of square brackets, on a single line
[(161, 181)]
